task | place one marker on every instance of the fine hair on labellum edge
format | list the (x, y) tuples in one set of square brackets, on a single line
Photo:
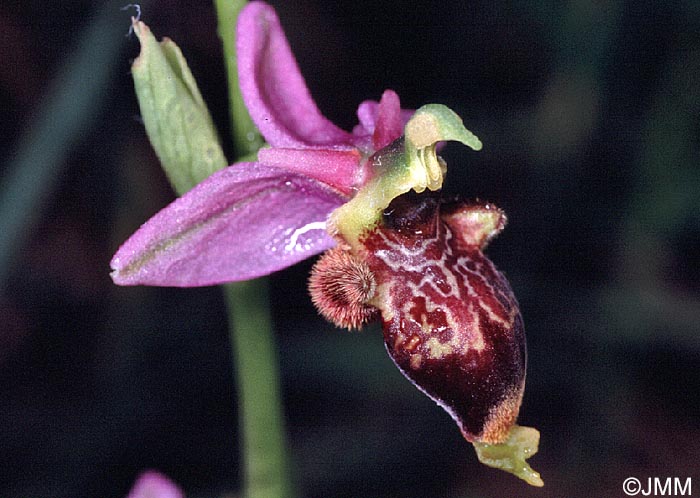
[(340, 286)]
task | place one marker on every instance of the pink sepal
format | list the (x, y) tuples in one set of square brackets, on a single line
[(242, 222)]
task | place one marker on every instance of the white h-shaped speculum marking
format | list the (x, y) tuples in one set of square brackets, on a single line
[(293, 240)]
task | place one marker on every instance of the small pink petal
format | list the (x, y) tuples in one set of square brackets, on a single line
[(338, 168), (152, 484), (272, 85), (242, 222), (388, 126), (384, 120), (367, 115)]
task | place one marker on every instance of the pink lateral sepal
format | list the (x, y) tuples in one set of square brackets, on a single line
[(242, 222)]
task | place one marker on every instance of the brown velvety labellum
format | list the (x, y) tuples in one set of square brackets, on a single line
[(451, 321)]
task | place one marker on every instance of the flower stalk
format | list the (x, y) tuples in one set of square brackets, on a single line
[(246, 137), (261, 419), (253, 346)]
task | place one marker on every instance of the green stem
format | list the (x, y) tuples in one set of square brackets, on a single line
[(263, 439), (266, 471), (246, 137)]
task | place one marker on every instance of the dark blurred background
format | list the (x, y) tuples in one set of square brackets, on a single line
[(589, 114)]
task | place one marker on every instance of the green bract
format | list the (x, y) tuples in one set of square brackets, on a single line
[(176, 118)]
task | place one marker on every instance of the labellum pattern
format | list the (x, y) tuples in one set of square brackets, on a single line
[(451, 323)]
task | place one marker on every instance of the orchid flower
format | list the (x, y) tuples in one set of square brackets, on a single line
[(393, 249)]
